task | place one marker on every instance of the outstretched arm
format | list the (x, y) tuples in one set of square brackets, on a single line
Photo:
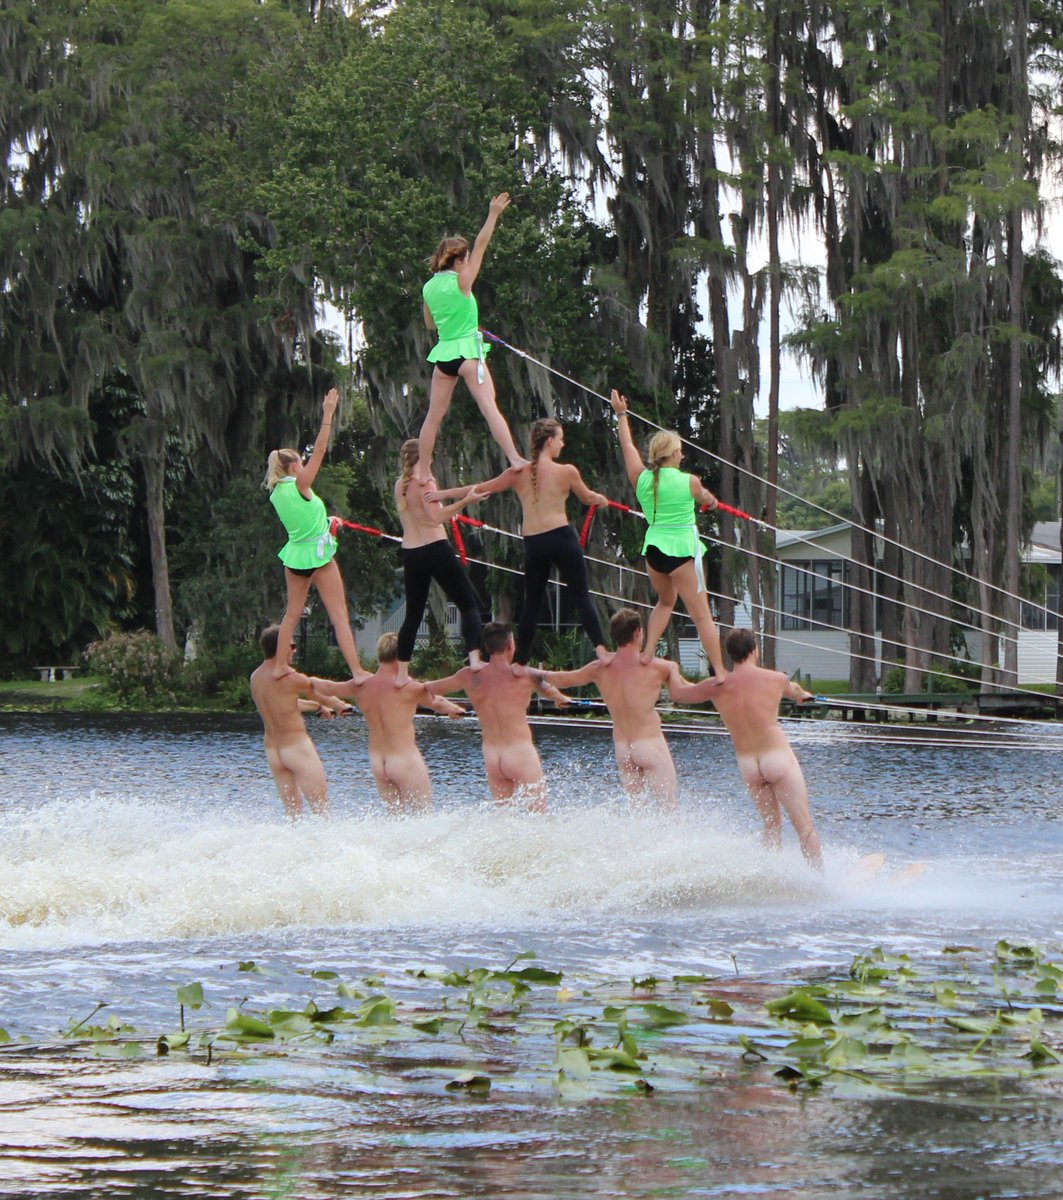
[(333, 687), (452, 683), (702, 494), (633, 463), (471, 268), (796, 692), (562, 679), (582, 492), (307, 473), (683, 691)]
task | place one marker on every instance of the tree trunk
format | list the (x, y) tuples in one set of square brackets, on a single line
[(154, 460)]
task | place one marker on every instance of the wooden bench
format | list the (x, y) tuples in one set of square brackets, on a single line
[(52, 674)]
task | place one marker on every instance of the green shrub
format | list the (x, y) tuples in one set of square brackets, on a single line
[(137, 669)]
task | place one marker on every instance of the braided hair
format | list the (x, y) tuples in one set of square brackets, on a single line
[(662, 446), (541, 432)]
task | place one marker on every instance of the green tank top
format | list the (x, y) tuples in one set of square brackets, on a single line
[(309, 542), (671, 522), (457, 319)]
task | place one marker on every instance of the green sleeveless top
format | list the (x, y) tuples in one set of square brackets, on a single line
[(309, 542), (671, 523), (457, 319)]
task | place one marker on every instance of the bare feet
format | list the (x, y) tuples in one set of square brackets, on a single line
[(402, 675), (476, 663), (282, 669), (605, 657)]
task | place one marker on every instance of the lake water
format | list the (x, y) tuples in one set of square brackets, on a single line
[(142, 854)]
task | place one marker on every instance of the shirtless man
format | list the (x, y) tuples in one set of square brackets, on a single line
[(748, 701), (291, 755), (543, 489), (398, 768), (500, 694), (631, 689)]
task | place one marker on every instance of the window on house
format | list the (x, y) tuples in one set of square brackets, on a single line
[(813, 591), (1043, 590)]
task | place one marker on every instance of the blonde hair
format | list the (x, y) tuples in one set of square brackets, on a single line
[(277, 466), (662, 446), (409, 457), (387, 647), (449, 249), (541, 432)]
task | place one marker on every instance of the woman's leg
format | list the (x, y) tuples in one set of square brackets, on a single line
[(665, 588), (329, 584), (536, 579), (572, 567), (443, 386), (298, 590), (686, 581), (417, 579), (448, 573), (484, 395)]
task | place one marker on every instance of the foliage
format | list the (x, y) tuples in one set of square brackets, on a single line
[(137, 669)]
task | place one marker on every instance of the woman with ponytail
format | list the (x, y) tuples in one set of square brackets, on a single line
[(450, 310), (427, 555), (549, 540), (308, 555), (673, 550)]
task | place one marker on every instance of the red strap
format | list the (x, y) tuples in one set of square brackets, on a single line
[(623, 507), (727, 508), (588, 521), (360, 528), (468, 520), (459, 541)]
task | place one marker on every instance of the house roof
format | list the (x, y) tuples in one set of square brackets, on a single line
[(787, 537)]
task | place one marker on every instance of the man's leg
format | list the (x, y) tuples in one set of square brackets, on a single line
[(302, 760), (658, 772), (409, 776), (287, 788), (791, 792)]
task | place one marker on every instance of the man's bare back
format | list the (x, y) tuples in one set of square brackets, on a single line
[(501, 695), (748, 700), (291, 755), (398, 768), (631, 689)]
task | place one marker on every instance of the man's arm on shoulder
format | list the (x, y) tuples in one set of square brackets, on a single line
[(683, 691), (588, 673), (438, 704), (458, 682), (334, 687), (794, 691)]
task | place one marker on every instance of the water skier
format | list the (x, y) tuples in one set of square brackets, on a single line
[(450, 310), (549, 539), (281, 700), (631, 688), (398, 768), (308, 555), (672, 547), (500, 694), (748, 701), (427, 554)]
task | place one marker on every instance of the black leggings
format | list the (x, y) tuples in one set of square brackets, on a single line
[(420, 566), (542, 551)]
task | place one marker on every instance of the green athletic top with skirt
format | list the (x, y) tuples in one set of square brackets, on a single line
[(457, 319), (671, 524), (309, 542)]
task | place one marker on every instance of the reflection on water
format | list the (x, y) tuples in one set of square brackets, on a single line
[(138, 854)]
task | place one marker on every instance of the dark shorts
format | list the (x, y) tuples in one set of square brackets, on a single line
[(665, 563), (303, 570), (451, 367)]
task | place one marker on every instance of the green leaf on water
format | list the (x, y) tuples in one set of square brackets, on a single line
[(469, 1081), (531, 975), (799, 1005), (612, 1058), (250, 965), (324, 975), (692, 979), (973, 1024), (171, 1041), (574, 1061), (911, 1057), (660, 1015), (5, 1037), (719, 1010), (750, 1049), (377, 1010), (190, 995), (244, 1025), (428, 1024), (1040, 1053)]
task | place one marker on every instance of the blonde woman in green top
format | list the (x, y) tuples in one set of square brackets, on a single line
[(308, 555), (673, 549), (450, 310)]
